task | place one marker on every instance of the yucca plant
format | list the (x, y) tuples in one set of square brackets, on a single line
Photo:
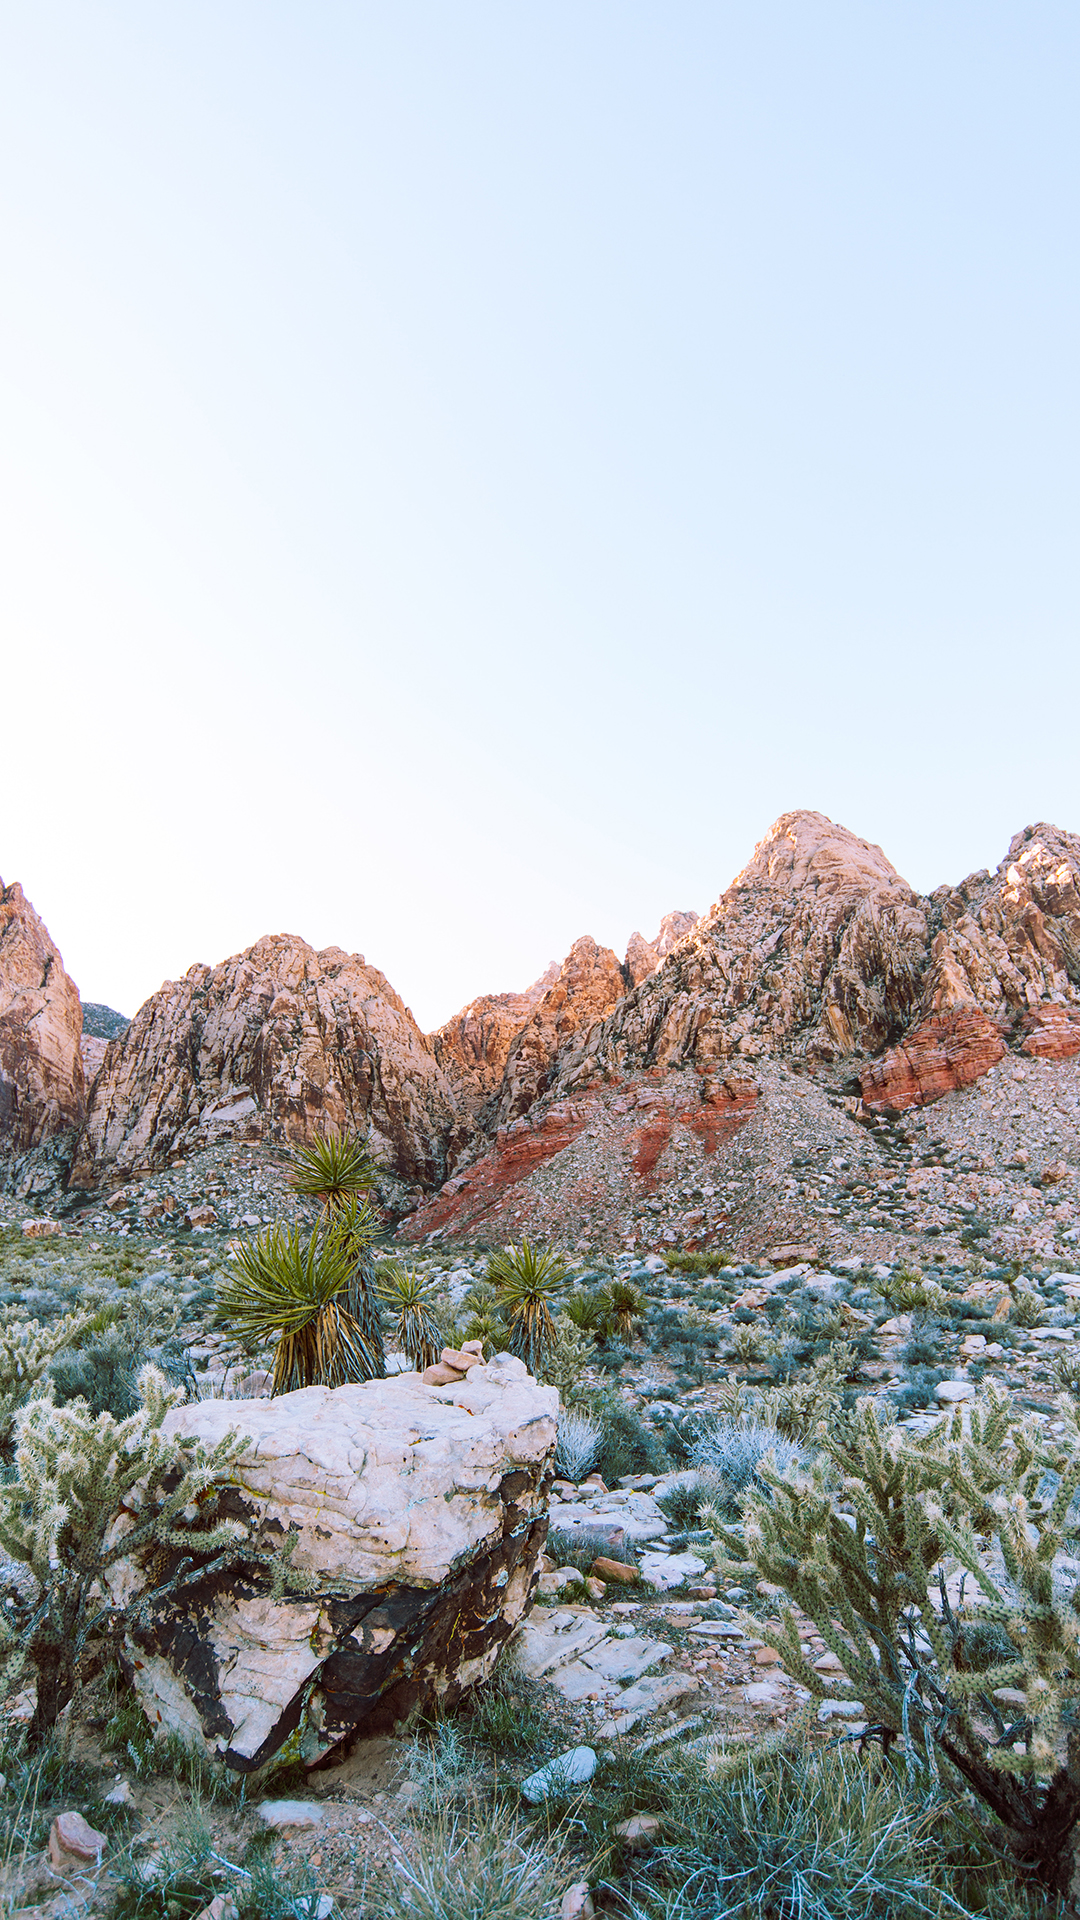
[(525, 1282), (585, 1311), (482, 1318), (622, 1306), (300, 1291), (416, 1330), (356, 1225), (333, 1168)]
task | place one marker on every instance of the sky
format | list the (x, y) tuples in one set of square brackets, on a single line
[(466, 469)]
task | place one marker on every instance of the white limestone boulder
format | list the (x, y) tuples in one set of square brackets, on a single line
[(419, 1516)]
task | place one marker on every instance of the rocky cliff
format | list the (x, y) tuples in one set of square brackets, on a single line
[(42, 1087), (276, 1043), (472, 1049), (819, 958)]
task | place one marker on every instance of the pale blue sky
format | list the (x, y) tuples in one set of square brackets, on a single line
[(466, 468)]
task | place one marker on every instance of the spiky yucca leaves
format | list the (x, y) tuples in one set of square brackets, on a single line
[(333, 1167), (482, 1318), (299, 1290), (26, 1349), (356, 1225), (416, 1330), (585, 1311), (526, 1281), (74, 1473), (868, 1539), (622, 1306)]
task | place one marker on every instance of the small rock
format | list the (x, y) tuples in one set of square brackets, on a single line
[(72, 1840), (577, 1903), (461, 1358), (595, 1588), (614, 1572), (951, 1392), (1010, 1697), (222, 1907), (40, 1229), (120, 1795), (570, 1769), (640, 1830), (204, 1216), (841, 1710), (291, 1813), (766, 1657), (441, 1375)]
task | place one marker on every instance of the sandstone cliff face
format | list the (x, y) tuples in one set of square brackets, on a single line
[(1003, 963), (42, 1088), (472, 1049), (644, 956), (277, 1042), (591, 982), (817, 949)]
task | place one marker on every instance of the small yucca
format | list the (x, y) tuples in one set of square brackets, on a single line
[(622, 1306), (525, 1282), (416, 1330)]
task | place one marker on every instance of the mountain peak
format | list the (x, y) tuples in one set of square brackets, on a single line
[(805, 849)]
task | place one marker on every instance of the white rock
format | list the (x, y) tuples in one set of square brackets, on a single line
[(951, 1392), (841, 1710), (291, 1813), (570, 1769), (390, 1486), (668, 1570), (761, 1692)]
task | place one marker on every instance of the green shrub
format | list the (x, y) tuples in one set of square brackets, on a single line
[(628, 1446), (799, 1835), (466, 1866), (301, 1292)]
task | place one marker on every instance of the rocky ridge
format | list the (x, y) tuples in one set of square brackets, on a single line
[(275, 1044)]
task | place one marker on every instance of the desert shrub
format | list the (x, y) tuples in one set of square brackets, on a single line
[(628, 1446), (917, 1390), (585, 1311), (923, 1345), (731, 1453), (1026, 1309), (683, 1502), (622, 1308), (863, 1538), (578, 1444), (792, 1834), (102, 1373), (580, 1546), (481, 1318), (698, 1263), (463, 1867)]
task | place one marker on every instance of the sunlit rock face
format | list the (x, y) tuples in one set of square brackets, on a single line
[(279, 1043), (42, 1086)]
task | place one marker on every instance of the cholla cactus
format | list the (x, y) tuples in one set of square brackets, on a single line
[(26, 1348), (91, 1491), (871, 1543)]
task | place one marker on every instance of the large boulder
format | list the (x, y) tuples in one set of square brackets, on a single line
[(420, 1514)]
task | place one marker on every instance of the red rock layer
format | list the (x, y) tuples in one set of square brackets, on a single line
[(1051, 1033), (42, 1087), (944, 1052)]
